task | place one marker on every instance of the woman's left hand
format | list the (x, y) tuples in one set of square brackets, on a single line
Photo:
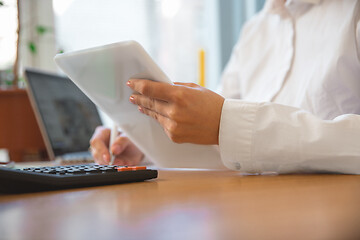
[(187, 112)]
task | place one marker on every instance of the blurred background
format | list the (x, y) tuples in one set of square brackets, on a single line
[(172, 31)]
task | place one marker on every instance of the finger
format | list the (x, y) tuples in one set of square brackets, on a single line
[(120, 144), (98, 143), (105, 160), (155, 105), (101, 133), (158, 117), (128, 161), (119, 161), (191, 85), (101, 156), (125, 162), (152, 89)]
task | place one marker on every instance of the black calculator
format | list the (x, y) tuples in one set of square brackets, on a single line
[(63, 177)]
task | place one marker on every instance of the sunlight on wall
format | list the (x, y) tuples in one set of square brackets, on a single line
[(172, 31)]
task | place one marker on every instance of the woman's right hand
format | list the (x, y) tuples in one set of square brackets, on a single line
[(126, 153)]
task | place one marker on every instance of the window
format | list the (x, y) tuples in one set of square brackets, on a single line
[(172, 31), (8, 26)]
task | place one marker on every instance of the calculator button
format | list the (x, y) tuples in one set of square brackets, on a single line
[(135, 168)]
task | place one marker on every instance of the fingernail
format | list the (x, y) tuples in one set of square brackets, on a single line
[(132, 99), (140, 109), (105, 157), (117, 149), (128, 83)]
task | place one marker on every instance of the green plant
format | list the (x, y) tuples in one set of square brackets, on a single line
[(40, 31)]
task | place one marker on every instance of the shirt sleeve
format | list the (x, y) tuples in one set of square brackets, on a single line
[(262, 137)]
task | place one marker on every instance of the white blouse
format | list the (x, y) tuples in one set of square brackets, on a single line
[(292, 90)]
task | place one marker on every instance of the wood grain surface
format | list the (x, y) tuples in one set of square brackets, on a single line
[(192, 205)]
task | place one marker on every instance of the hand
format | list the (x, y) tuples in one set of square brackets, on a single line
[(126, 153), (186, 111)]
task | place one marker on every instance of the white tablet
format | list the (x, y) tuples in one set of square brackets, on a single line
[(102, 72)]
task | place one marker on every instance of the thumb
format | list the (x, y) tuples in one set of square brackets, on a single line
[(120, 144)]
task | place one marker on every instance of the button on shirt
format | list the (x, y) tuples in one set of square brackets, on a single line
[(292, 89)]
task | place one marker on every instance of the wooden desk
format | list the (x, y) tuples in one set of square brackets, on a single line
[(192, 205)]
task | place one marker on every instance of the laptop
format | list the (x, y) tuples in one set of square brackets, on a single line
[(66, 116)]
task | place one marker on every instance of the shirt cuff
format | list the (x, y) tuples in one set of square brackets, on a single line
[(236, 135)]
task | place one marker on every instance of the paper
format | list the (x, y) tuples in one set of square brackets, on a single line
[(102, 72)]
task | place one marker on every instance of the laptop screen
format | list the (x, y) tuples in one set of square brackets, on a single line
[(68, 116)]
